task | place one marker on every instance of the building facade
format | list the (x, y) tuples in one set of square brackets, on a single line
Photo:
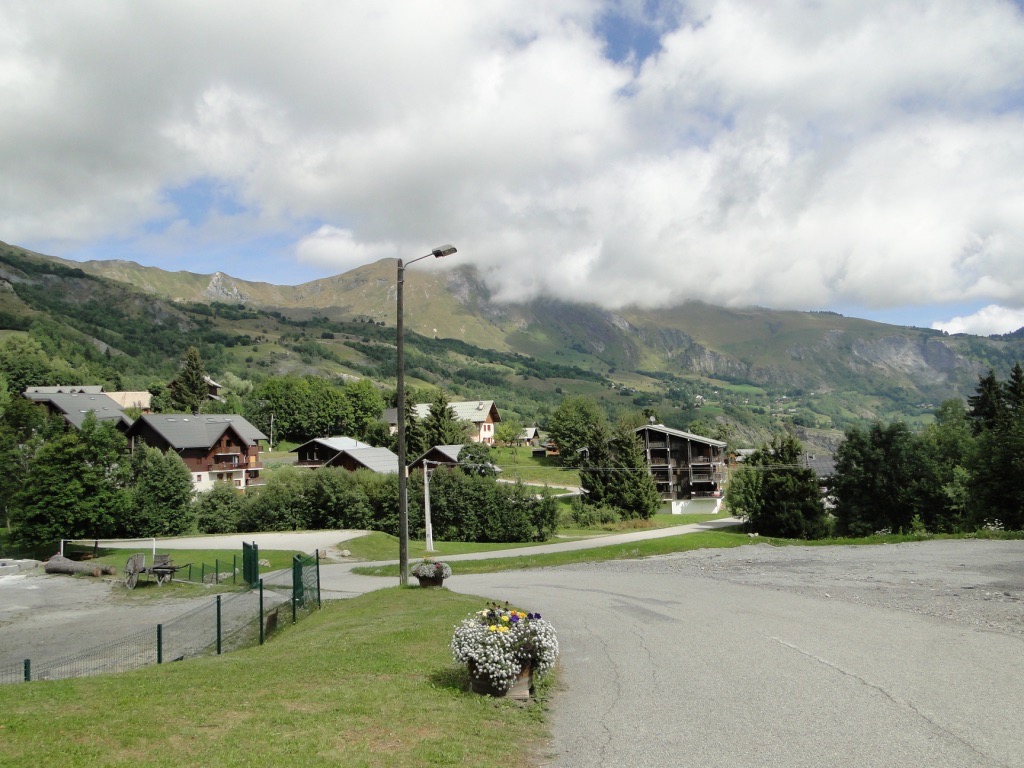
[(684, 465)]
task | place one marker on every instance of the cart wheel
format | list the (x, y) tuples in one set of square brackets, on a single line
[(162, 578), (131, 578)]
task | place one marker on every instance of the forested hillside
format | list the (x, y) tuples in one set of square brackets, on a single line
[(759, 370)]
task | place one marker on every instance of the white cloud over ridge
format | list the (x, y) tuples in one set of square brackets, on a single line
[(793, 155), (987, 321)]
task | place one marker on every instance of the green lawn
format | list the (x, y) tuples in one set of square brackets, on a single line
[(364, 682), (384, 546), (669, 544), (518, 463)]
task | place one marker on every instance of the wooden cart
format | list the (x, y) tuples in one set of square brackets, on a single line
[(162, 568)]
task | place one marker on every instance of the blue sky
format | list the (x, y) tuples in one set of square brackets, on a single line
[(864, 157)]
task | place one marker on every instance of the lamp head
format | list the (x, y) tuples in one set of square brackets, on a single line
[(443, 250)]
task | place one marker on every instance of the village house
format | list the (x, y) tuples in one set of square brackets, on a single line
[(73, 403), (683, 465), (482, 415), (345, 453), (439, 454), (214, 447)]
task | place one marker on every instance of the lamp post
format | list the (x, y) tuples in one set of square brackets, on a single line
[(403, 470), (428, 528)]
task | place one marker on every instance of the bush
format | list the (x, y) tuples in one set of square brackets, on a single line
[(589, 516), (219, 509)]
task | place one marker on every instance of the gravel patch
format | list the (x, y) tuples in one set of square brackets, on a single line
[(974, 582)]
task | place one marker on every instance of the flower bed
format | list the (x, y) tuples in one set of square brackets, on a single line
[(498, 643)]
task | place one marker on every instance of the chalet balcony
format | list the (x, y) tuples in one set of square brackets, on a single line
[(706, 474), (226, 463)]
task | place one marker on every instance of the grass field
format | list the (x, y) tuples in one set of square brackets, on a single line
[(206, 561), (632, 550), (364, 682), (518, 462)]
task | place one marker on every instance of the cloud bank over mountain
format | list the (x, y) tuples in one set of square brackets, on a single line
[(802, 155)]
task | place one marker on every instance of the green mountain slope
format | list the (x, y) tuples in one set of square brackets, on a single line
[(758, 368)]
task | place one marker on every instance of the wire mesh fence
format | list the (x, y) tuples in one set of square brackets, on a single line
[(228, 622)]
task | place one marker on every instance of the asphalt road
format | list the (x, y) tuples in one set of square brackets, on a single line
[(664, 664)]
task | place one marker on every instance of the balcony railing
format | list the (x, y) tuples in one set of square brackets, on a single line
[(233, 464)]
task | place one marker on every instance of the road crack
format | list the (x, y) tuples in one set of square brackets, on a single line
[(896, 700)]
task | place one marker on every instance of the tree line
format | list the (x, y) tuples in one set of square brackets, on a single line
[(59, 482), (961, 473)]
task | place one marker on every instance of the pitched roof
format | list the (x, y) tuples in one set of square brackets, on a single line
[(466, 410), (824, 465), (378, 459), (131, 399), (75, 405), (680, 433), (448, 453), (184, 431), (334, 443), (89, 389)]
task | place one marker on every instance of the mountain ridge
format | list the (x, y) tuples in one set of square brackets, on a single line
[(804, 369)]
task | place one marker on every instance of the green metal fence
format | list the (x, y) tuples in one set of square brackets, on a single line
[(228, 622)]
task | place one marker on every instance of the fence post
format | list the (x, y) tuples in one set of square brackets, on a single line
[(216, 570), (28, 670), (298, 591), (159, 643), (234, 569), (261, 611), (250, 563), (218, 625), (203, 572), (318, 603), (190, 571)]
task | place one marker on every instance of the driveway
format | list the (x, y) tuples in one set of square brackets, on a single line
[(890, 656)]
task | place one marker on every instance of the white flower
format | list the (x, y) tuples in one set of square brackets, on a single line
[(498, 643)]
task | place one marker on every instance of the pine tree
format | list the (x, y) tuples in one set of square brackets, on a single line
[(1013, 391), (190, 390), (987, 407), (441, 427)]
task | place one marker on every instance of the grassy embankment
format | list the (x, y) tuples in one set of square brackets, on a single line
[(364, 682)]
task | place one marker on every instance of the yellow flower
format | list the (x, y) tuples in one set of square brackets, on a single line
[(493, 628), (503, 629), (505, 618)]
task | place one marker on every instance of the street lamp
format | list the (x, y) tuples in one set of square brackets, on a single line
[(403, 470)]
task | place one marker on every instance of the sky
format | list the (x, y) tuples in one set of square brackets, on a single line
[(859, 156)]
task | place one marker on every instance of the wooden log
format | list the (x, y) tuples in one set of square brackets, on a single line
[(59, 564)]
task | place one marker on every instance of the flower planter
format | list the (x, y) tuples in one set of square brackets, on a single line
[(503, 649), (431, 574), (521, 690)]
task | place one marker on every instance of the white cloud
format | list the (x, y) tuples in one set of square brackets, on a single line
[(338, 250), (785, 154), (988, 321)]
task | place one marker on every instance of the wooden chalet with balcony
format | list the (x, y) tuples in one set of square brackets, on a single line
[(214, 447), (683, 465)]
